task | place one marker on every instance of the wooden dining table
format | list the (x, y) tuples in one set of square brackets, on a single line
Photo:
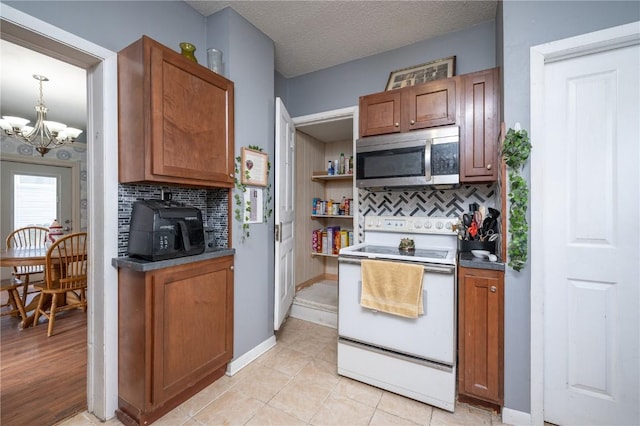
[(24, 256)]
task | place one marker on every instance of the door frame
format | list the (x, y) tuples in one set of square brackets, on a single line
[(540, 55), (75, 180), (102, 188)]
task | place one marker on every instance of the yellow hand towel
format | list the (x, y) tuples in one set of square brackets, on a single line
[(392, 287)]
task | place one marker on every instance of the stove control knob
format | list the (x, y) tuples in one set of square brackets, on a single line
[(418, 225), (439, 225), (427, 225), (379, 223), (448, 225)]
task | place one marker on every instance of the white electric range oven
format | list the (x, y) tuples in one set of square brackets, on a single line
[(412, 357)]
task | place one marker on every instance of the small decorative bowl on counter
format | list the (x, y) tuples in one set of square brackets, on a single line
[(407, 244), (484, 254)]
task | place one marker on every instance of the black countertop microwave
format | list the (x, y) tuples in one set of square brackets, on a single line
[(412, 160)]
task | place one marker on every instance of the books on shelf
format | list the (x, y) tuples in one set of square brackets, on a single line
[(330, 240)]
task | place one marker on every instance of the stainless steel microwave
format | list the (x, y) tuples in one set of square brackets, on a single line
[(413, 160)]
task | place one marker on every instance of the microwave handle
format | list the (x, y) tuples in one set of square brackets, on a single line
[(186, 242), (427, 159)]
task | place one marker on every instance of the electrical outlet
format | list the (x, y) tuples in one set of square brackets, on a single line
[(166, 195)]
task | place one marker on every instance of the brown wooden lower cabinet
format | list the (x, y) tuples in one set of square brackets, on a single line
[(175, 335), (481, 336)]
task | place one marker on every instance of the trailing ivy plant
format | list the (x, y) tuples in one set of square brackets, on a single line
[(516, 150), (242, 215)]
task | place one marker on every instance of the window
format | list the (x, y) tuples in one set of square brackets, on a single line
[(34, 200)]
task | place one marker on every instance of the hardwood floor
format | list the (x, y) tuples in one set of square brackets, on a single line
[(43, 379)]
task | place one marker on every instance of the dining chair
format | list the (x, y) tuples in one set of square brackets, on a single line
[(28, 236), (14, 302), (65, 281)]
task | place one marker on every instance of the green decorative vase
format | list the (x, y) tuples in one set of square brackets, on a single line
[(187, 50)]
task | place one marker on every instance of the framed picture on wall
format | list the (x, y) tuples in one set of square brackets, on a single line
[(430, 71), (254, 167), (254, 206)]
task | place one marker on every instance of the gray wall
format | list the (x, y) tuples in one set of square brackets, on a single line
[(116, 24), (250, 63), (341, 85), (526, 24), (281, 87)]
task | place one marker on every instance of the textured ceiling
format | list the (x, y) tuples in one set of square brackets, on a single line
[(312, 35)]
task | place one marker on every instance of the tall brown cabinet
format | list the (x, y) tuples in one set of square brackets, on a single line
[(175, 317)]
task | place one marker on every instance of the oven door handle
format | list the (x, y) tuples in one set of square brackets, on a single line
[(438, 269)]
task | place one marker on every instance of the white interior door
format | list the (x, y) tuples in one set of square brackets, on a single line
[(284, 214), (589, 260)]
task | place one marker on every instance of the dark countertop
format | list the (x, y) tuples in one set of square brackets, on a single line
[(467, 260), (140, 265)]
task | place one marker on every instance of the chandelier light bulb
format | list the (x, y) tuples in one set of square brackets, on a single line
[(27, 130), (16, 123), (45, 134)]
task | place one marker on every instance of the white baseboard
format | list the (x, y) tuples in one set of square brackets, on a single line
[(514, 417), (239, 363)]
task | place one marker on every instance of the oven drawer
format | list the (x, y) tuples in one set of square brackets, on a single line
[(430, 336)]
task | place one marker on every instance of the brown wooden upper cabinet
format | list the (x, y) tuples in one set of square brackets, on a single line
[(479, 129), (402, 110), (175, 118)]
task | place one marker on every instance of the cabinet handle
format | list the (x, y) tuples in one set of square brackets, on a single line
[(231, 267), (230, 175), (397, 124), (493, 289), (488, 166), (413, 122)]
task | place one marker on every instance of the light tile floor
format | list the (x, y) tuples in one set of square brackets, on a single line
[(295, 383)]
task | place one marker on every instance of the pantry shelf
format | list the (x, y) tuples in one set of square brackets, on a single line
[(334, 216), (331, 177), (323, 254)]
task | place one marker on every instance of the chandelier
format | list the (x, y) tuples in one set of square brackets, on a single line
[(46, 135)]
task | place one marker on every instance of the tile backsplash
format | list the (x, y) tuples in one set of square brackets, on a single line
[(436, 203), (212, 202)]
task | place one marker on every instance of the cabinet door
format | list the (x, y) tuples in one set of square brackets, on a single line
[(192, 324), (191, 121), (481, 334), (429, 105), (479, 133), (380, 113)]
